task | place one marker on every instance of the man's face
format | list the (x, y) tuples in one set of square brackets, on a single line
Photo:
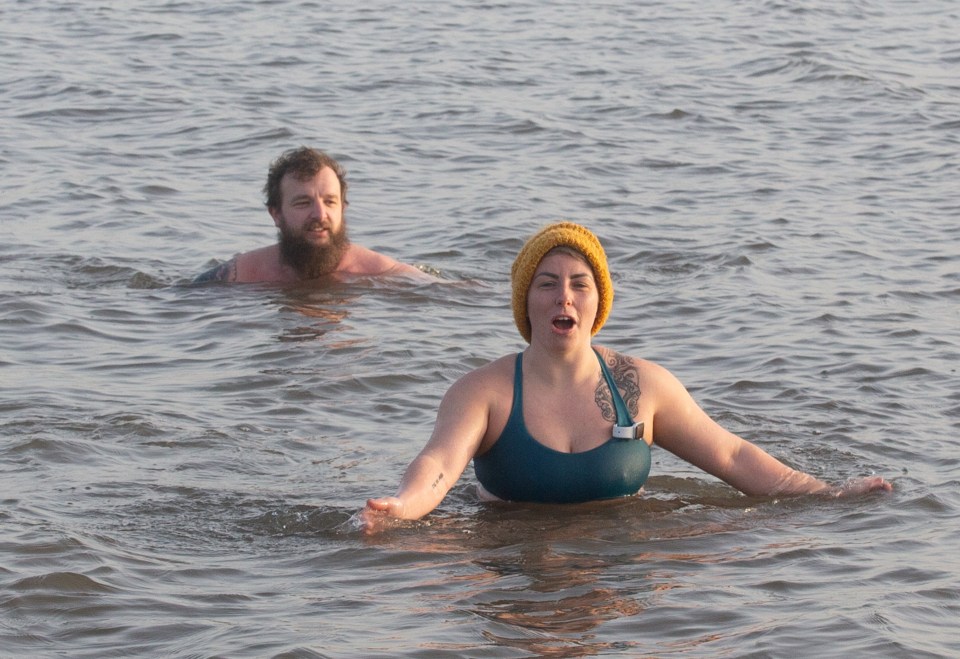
[(310, 208), (313, 232)]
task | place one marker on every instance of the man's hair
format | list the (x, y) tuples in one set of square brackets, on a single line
[(303, 163)]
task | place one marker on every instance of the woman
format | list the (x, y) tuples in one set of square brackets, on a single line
[(565, 421)]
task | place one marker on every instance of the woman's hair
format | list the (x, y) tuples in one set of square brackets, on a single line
[(303, 163)]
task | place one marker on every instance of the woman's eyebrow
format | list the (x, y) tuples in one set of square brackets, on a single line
[(547, 274)]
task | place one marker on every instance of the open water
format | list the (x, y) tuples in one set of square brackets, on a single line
[(776, 184)]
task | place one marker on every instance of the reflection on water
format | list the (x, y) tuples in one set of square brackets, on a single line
[(557, 601), (580, 581), (327, 315)]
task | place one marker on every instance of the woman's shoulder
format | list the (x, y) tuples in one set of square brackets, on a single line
[(499, 368), (487, 382), (493, 373), (619, 362), (611, 356)]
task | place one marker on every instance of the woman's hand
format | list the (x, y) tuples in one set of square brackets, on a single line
[(380, 514), (857, 486)]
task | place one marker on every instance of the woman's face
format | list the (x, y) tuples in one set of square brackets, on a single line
[(563, 299)]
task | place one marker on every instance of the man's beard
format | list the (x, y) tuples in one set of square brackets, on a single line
[(311, 261)]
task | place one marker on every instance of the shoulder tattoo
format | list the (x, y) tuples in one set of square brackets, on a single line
[(223, 272), (628, 382)]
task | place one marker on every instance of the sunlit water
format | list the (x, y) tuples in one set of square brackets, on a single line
[(775, 184)]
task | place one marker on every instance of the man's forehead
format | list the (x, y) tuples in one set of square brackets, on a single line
[(325, 178)]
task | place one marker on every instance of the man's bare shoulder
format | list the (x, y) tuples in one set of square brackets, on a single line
[(263, 264), (258, 265), (224, 272), (360, 260)]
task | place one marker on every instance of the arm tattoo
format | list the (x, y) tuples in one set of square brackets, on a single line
[(436, 482), (628, 382), (223, 272)]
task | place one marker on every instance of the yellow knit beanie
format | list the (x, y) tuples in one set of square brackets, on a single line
[(562, 233)]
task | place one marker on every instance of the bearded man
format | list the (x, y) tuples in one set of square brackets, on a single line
[(306, 195)]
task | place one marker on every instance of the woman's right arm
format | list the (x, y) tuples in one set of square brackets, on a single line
[(459, 429)]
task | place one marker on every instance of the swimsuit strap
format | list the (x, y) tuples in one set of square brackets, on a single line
[(623, 414), (518, 384)]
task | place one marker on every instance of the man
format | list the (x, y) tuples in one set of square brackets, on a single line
[(306, 193)]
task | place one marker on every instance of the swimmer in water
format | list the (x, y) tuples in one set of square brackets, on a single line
[(306, 195), (565, 421)]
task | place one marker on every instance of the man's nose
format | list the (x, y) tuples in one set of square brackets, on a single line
[(320, 208)]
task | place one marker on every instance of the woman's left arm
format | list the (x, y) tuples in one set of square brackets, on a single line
[(684, 429)]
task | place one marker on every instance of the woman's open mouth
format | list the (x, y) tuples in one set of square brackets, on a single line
[(563, 322)]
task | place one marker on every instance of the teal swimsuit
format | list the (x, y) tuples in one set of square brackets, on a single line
[(519, 468)]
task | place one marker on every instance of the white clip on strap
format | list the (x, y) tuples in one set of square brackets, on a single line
[(634, 431)]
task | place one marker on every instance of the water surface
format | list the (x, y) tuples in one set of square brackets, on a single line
[(775, 184)]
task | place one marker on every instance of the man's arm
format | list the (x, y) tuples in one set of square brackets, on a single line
[(223, 272)]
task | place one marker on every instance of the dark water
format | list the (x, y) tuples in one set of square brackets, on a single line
[(776, 187)]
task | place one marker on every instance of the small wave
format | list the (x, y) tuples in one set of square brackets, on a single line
[(299, 520), (61, 582)]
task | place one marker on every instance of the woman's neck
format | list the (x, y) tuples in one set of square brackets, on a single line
[(565, 366)]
